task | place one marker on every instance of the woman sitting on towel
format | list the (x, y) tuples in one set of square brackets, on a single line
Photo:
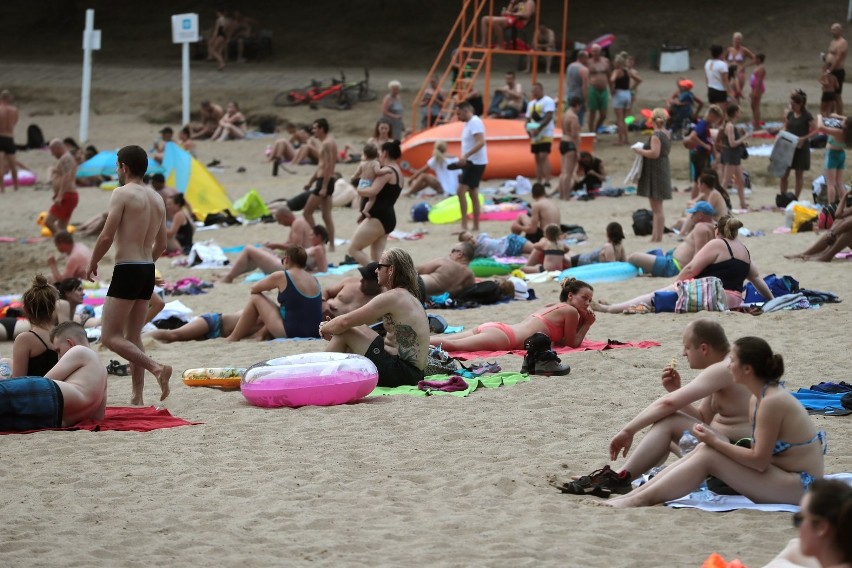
[(786, 453), (724, 257), (566, 323), (299, 309), (33, 354)]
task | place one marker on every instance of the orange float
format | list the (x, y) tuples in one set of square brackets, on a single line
[(507, 143)]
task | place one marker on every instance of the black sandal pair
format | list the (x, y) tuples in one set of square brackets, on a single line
[(117, 369)]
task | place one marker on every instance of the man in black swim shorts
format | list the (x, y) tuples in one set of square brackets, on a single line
[(8, 120), (132, 281), (321, 183), (835, 62)]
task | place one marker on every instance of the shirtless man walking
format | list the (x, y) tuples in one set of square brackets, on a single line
[(569, 147), (324, 180), (835, 62), (73, 390), (670, 264), (542, 213), (8, 120), (136, 221), (448, 273), (598, 101), (63, 178)]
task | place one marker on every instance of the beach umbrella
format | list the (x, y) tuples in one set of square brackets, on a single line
[(189, 176), (103, 164)]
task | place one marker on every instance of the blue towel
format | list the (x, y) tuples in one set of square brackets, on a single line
[(815, 400)]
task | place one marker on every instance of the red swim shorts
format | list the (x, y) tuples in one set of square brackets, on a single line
[(66, 206)]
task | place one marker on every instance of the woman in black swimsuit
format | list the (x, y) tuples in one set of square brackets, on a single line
[(373, 231), (180, 233), (32, 355)]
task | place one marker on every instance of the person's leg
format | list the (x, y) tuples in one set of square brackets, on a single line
[(328, 219), (643, 260), (655, 445), (366, 233), (474, 198), (355, 340), (416, 184), (314, 201), (841, 241), (155, 306), (378, 247), (195, 329), (251, 258), (620, 126), (540, 163), (52, 223), (462, 195), (13, 169), (739, 182), (784, 181), (800, 182), (3, 162), (659, 222), (247, 322), (593, 119), (646, 299), (489, 338), (270, 315)]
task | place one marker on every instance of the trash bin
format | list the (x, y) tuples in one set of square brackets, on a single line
[(674, 59)]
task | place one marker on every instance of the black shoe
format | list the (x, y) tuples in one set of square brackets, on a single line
[(600, 483)]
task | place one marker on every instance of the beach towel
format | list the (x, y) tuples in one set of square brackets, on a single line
[(816, 402), (709, 501), (126, 419), (491, 381), (587, 345)]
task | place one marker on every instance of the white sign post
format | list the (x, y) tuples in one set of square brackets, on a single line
[(91, 41), (185, 31)]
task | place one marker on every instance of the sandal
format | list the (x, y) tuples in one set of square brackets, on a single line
[(478, 369), (117, 369), (638, 309)]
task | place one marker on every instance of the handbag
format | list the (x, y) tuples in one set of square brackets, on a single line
[(701, 294), (439, 362)]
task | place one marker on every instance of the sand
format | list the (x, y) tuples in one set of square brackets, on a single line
[(389, 481)]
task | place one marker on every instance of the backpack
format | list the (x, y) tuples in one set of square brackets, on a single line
[(35, 137), (643, 222), (485, 292)]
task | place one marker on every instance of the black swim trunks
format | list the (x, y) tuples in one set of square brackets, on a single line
[(393, 371), (540, 148), (716, 96), (132, 281), (318, 187), (7, 145), (841, 76), (472, 175), (566, 146), (535, 237), (9, 325)]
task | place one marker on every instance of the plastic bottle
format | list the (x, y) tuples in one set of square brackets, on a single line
[(5, 369), (687, 442)]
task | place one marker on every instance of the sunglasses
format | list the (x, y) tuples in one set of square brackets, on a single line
[(798, 519), (380, 265)]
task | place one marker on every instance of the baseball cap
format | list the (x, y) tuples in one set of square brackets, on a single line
[(685, 83), (369, 272), (702, 207)]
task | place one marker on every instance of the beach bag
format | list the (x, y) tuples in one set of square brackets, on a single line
[(485, 292), (825, 219), (778, 285), (665, 301), (251, 206), (643, 222), (701, 294), (35, 137), (439, 362), (803, 218)]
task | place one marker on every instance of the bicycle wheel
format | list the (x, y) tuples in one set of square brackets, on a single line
[(339, 100), (366, 94), (293, 97)]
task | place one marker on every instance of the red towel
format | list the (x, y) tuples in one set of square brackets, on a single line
[(585, 346), (127, 418)]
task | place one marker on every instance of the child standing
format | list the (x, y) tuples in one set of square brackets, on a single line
[(684, 106), (758, 76)]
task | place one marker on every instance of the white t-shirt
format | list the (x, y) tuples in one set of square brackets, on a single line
[(714, 69), (449, 179), (471, 128), (536, 109)]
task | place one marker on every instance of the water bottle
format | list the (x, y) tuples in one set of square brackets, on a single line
[(5, 369), (687, 442)]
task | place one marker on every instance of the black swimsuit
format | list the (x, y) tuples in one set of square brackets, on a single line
[(731, 272), (184, 236), (383, 207), (39, 365)]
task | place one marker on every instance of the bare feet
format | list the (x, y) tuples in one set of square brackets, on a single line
[(163, 380)]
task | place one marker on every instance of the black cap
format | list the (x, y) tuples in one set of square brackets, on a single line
[(369, 272)]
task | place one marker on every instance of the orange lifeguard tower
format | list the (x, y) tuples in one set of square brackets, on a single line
[(465, 54)]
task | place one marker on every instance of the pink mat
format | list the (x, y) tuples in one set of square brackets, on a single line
[(127, 418), (501, 215), (585, 346)]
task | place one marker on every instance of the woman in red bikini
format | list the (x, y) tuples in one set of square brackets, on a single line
[(566, 323)]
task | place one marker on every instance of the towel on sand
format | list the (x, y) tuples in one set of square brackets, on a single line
[(491, 381), (585, 346), (127, 418)]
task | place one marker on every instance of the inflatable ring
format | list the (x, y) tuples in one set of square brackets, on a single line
[(449, 210), (601, 272), (224, 378), (309, 379), (25, 177), (484, 267)]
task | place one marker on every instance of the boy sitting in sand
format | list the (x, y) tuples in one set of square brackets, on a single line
[(72, 391)]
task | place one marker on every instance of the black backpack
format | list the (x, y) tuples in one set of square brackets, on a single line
[(35, 138), (643, 222), (485, 292)]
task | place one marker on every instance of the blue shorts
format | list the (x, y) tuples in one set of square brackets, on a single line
[(666, 265), (214, 325), (30, 403), (835, 159), (515, 246), (621, 99)]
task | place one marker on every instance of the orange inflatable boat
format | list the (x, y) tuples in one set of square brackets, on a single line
[(507, 142)]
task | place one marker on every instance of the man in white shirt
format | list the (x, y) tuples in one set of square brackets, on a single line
[(473, 160), (540, 127)]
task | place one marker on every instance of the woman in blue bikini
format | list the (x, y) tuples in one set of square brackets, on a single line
[(786, 452)]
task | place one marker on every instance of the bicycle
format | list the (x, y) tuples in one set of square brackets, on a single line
[(339, 95)]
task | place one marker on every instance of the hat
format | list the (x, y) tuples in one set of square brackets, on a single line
[(702, 207), (685, 83), (369, 272), (521, 288), (167, 129)]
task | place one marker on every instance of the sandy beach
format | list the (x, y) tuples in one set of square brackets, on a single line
[(389, 481)]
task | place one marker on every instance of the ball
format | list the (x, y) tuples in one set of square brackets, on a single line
[(420, 212)]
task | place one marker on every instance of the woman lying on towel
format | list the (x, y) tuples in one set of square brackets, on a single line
[(786, 453), (724, 257), (566, 323)]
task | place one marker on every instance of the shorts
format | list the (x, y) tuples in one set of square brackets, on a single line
[(541, 147), (621, 99), (7, 145), (535, 237), (471, 175), (214, 325), (828, 96), (732, 156), (841, 76), (566, 146), (666, 265), (698, 162), (835, 159), (318, 187), (514, 246), (9, 325), (393, 371), (715, 96), (598, 99), (30, 403), (801, 159), (66, 206), (132, 281)]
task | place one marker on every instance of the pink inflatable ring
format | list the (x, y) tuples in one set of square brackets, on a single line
[(309, 379)]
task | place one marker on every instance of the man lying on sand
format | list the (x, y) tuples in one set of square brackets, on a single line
[(72, 391), (448, 273)]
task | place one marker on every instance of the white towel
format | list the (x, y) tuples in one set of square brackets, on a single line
[(635, 172)]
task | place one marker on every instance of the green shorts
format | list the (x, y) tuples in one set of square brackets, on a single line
[(598, 99)]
